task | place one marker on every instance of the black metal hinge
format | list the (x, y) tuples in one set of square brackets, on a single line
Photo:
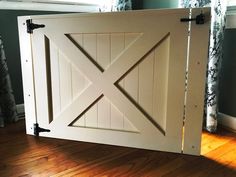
[(38, 129), (200, 19), (31, 26)]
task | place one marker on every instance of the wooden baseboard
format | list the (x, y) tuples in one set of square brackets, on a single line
[(20, 108), (227, 121)]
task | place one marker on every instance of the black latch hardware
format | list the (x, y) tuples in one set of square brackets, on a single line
[(200, 19), (38, 129), (31, 26)]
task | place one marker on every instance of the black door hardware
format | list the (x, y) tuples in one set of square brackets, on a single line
[(38, 129), (200, 19), (31, 26)]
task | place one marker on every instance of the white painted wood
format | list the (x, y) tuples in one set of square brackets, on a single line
[(40, 77), (196, 85), (78, 38), (104, 113), (27, 75), (160, 82), (103, 54), (103, 50), (55, 79), (77, 82), (80, 122), (117, 118), (65, 80), (90, 45), (131, 84), (145, 87), (101, 112), (117, 45), (130, 38), (128, 126), (91, 117)]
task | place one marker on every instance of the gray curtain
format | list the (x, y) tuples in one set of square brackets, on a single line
[(218, 8), (7, 101), (121, 5), (116, 5)]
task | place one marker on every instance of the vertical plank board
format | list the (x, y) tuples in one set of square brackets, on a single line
[(55, 79), (91, 116), (117, 118), (117, 45), (146, 83), (103, 50), (80, 122), (131, 84), (176, 84), (160, 82), (65, 80), (131, 80), (104, 113), (128, 126), (78, 38), (79, 82), (129, 38), (196, 85), (90, 45)]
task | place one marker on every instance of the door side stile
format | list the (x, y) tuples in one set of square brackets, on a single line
[(27, 75), (195, 92)]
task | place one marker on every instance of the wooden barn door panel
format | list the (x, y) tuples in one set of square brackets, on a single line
[(112, 78)]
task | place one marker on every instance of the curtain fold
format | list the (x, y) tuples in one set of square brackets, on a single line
[(7, 101), (218, 9), (121, 5), (116, 5)]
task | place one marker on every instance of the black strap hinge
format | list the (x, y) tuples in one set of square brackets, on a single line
[(31, 26), (200, 19), (38, 129)]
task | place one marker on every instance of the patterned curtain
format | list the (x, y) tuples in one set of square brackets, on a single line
[(121, 5), (218, 8), (116, 5), (7, 100)]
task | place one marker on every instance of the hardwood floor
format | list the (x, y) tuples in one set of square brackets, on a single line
[(23, 155)]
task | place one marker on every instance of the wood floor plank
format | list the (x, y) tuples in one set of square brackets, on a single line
[(24, 155), (212, 160), (204, 163)]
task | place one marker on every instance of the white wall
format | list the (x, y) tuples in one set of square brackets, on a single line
[(26, 5)]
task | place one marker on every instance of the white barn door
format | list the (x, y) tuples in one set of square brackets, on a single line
[(112, 78)]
